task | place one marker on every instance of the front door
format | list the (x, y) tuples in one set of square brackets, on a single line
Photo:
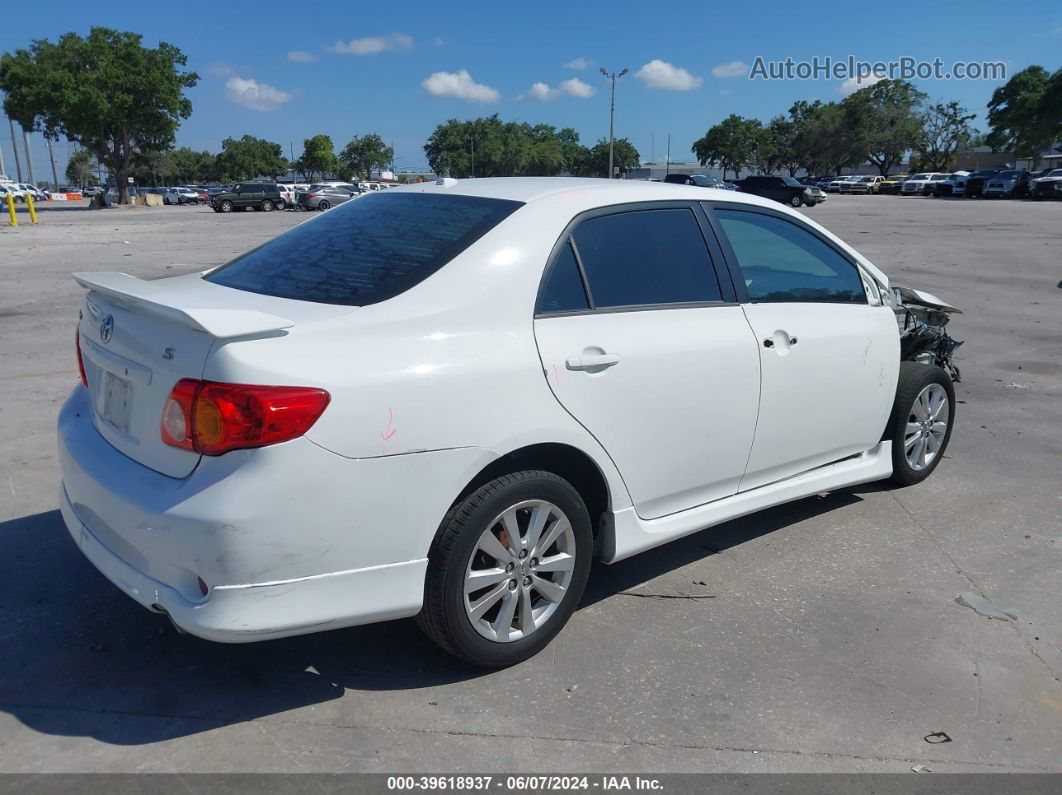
[(829, 352), (644, 348)]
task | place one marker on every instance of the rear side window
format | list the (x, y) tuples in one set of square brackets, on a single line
[(780, 262), (646, 257), (563, 289), (365, 251)]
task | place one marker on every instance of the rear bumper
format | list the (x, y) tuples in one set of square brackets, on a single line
[(290, 539), (244, 613)]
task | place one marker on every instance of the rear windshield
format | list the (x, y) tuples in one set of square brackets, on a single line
[(365, 251)]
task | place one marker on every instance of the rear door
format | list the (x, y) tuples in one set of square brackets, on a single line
[(829, 351), (250, 194), (645, 346)]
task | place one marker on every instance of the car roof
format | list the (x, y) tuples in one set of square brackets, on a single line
[(581, 190)]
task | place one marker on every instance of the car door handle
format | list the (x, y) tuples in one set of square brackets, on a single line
[(592, 361), (770, 343)]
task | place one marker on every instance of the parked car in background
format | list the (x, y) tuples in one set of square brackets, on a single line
[(891, 184), (700, 180), (1046, 186), (866, 185), (287, 472), (5, 191), (33, 191), (91, 190), (180, 195), (264, 196), (837, 184), (954, 185), (787, 190), (1012, 184), (324, 197), (975, 183), (287, 194), (921, 184)]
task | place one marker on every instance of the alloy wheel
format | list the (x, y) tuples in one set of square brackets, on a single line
[(520, 571), (927, 427)]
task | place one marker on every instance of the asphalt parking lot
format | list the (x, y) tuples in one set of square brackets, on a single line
[(819, 636)]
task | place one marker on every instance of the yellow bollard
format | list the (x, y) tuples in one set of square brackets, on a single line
[(11, 209), (32, 210)]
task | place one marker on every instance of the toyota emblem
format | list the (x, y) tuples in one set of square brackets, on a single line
[(107, 328)]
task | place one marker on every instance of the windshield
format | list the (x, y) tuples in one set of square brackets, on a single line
[(920, 176), (792, 182), (365, 251), (1008, 174)]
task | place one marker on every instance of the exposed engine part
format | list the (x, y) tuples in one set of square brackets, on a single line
[(923, 338)]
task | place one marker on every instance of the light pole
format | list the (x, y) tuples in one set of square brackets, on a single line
[(612, 117)]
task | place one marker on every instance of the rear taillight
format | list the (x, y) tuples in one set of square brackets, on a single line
[(80, 360), (311, 195), (212, 418)]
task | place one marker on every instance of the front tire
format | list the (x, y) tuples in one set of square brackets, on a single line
[(795, 202), (921, 422), (226, 206), (507, 569)]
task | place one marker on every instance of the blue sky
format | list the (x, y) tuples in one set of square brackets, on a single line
[(400, 68)]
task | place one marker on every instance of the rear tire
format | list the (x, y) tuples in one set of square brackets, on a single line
[(490, 605), (923, 416), (323, 205), (267, 206)]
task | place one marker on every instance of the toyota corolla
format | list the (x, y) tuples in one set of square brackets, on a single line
[(444, 400)]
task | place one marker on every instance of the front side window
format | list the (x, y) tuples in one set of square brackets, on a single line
[(646, 257), (781, 262), (366, 251)]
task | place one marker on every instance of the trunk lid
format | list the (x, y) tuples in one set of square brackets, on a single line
[(139, 338)]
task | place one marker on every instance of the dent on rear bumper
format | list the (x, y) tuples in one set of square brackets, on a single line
[(290, 538), (243, 613)]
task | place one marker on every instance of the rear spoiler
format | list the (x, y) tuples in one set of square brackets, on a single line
[(163, 298)]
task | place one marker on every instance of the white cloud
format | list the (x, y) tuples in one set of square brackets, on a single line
[(577, 88), (573, 87), (853, 84), (542, 92), (662, 75), (301, 56), (731, 69), (371, 45), (577, 63), (459, 85), (252, 94)]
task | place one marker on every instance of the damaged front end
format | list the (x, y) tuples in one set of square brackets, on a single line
[(923, 338)]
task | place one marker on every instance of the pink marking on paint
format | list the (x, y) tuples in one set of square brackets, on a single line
[(388, 432)]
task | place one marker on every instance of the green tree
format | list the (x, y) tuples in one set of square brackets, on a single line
[(945, 130), (153, 168), (490, 147), (81, 169), (593, 161), (191, 166), (106, 92), (1025, 113), (363, 154), (885, 119), (731, 144), (249, 157), (318, 157)]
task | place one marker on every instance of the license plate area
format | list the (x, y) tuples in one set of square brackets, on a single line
[(115, 401)]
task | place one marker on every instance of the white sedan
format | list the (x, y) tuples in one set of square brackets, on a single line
[(443, 400)]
